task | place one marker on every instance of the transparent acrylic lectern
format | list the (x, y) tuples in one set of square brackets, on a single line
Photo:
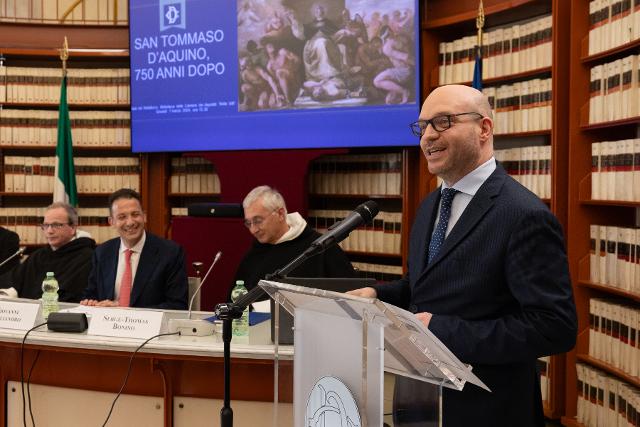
[(344, 344)]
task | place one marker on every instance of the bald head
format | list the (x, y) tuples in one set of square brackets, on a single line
[(463, 137), (465, 98)]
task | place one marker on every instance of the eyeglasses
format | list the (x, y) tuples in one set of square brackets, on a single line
[(53, 225), (439, 123), (257, 220)]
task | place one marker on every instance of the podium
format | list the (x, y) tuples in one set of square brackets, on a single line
[(343, 344)]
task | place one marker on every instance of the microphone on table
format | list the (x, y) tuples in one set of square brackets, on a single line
[(19, 252), (197, 327)]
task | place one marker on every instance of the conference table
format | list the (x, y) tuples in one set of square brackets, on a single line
[(174, 380)]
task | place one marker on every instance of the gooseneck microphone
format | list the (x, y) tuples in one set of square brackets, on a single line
[(198, 327), (193, 297), (19, 252)]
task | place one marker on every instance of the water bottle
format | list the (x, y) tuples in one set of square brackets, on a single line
[(240, 327), (49, 295)]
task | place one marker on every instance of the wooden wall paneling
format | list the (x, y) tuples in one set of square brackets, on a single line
[(30, 36)]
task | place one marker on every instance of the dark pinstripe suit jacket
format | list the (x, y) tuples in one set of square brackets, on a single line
[(500, 295), (160, 281)]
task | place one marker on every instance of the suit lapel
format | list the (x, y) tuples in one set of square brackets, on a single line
[(146, 264), (474, 212), (426, 224), (111, 268)]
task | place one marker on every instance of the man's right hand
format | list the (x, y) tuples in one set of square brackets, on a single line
[(364, 292)]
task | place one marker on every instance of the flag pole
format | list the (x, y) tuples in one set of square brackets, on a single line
[(479, 22), (64, 186), (477, 68), (64, 55)]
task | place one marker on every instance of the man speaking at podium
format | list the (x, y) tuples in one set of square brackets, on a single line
[(487, 269)]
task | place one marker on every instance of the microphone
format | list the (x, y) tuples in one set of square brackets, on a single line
[(198, 327), (339, 231), (19, 252), (193, 297)]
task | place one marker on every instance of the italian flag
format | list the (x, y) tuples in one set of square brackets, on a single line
[(64, 187)]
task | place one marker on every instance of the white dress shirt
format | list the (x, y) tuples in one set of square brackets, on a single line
[(468, 187)]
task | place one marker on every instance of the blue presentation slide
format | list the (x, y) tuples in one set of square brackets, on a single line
[(272, 74)]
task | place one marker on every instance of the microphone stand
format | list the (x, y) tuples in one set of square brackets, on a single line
[(227, 312)]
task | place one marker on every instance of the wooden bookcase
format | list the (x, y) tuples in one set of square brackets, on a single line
[(35, 45), (404, 202), (582, 210), (443, 20)]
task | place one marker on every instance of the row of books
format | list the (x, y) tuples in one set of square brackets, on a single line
[(521, 47), (612, 23), (100, 12), (615, 170), (614, 334), (193, 175), (614, 257), (380, 272), (26, 223), (176, 211), (383, 236), (378, 174), (605, 401), (84, 85), (530, 166), (613, 90), (545, 382), (521, 107), (93, 174), (39, 128)]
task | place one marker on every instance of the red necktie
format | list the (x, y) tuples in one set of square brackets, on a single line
[(125, 282)]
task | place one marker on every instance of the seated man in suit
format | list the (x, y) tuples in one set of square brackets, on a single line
[(67, 255), (487, 268), (9, 245), (137, 269), (279, 238)]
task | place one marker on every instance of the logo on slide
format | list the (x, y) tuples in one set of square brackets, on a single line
[(172, 14), (331, 403)]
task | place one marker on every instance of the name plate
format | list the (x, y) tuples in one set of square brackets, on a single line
[(18, 315), (113, 322)]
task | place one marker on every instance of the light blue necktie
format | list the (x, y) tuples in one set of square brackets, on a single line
[(445, 212)]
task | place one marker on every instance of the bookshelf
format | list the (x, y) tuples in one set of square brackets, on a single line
[(444, 22), (30, 76), (87, 12), (585, 210), (192, 179), (338, 183)]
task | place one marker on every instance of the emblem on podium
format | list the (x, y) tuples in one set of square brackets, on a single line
[(331, 403)]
